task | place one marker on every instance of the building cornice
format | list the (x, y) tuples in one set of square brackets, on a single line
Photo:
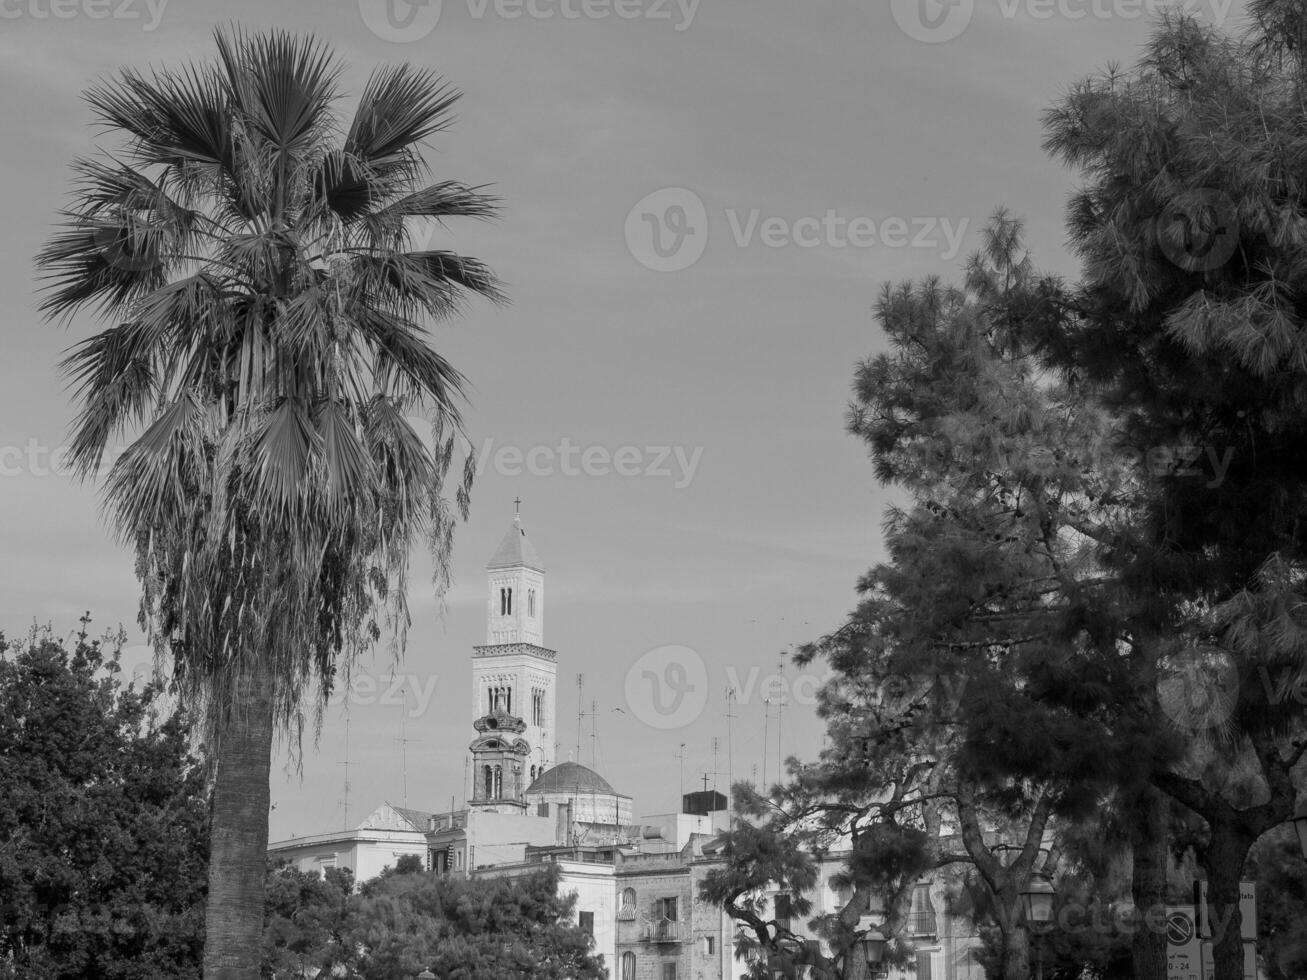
[(514, 650)]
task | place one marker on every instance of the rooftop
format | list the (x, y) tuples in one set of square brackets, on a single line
[(516, 551), (571, 777)]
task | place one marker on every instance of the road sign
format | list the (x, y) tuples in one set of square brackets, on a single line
[(1247, 911), (1184, 954)]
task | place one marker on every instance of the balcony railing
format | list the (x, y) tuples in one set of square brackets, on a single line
[(626, 914), (662, 931), (922, 923)]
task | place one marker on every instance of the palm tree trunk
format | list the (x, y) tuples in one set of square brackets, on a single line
[(239, 837)]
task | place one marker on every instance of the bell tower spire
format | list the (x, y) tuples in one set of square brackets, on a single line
[(513, 676)]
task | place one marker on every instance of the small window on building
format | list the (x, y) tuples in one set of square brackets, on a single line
[(669, 970), (587, 923), (628, 898), (709, 945), (783, 907), (665, 909), (628, 966), (531, 602)]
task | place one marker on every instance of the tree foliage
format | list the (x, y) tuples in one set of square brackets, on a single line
[(103, 819), (405, 921)]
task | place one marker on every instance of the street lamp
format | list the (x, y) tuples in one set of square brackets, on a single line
[(1037, 901), (1300, 825), (873, 943)]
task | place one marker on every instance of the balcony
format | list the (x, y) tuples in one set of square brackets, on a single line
[(626, 914), (921, 923), (662, 931)]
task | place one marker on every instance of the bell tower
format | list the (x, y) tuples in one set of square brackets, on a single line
[(513, 679)]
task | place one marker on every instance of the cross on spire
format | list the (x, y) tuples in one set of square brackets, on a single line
[(517, 510)]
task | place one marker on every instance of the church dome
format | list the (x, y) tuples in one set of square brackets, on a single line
[(571, 777)]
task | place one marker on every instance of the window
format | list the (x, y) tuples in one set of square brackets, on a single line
[(923, 966), (531, 602), (782, 907), (628, 966), (709, 945), (669, 970), (626, 913), (587, 923), (665, 909), (537, 707), (921, 920)]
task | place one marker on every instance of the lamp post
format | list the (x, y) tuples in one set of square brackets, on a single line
[(873, 943), (1037, 902)]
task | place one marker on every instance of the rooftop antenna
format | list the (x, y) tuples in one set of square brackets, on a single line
[(766, 726), (780, 709), (594, 714), (345, 803), (580, 713), (715, 742), (403, 741), (680, 754), (730, 746)]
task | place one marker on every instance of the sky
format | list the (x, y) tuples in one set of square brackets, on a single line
[(701, 201)]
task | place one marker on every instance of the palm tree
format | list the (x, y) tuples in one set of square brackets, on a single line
[(262, 267)]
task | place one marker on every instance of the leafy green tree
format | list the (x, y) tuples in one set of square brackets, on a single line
[(1191, 227), (305, 917), (266, 268), (463, 929), (1276, 864), (944, 747), (103, 819)]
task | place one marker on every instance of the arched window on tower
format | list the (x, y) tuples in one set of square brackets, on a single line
[(508, 602), (489, 783), (531, 602)]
